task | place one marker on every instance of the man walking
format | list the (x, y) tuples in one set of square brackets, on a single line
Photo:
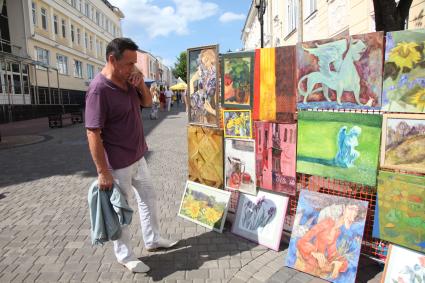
[(168, 95), (117, 143)]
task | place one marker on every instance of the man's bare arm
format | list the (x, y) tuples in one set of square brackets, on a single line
[(145, 97), (98, 155)]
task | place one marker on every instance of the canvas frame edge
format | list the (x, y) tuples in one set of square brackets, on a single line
[(385, 118), (223, 219), (276, 247), (243, 54), (216, 48), (250, 123)]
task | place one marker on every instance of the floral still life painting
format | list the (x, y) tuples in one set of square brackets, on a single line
[(206, 206), (202, 85), (342, 146), (404, 72), (237, 124), (343, 73), (239, 165), (276, 156), (400, 212), (237, 75), (403, 142), (327, 236), (260, 218), (404, 266)]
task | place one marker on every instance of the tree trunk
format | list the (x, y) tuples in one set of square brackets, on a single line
[(389, 16)]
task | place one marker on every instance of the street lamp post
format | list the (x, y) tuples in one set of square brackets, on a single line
[(261, 9)]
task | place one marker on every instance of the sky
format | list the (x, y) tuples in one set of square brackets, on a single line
[(167, 27)]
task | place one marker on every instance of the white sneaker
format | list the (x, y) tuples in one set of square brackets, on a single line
[(136, 266), (162, 244)]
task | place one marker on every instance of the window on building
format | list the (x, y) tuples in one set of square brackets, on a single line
[(87, 10), (86, 40), (97, 18), (310, 6), (63, 28), (55, 24), (92, 13), (91, 43), (72, 33), (101, 49), (292, 16), (78, 69), (62, 64), (74, 3), (42, 55), (78, 36), (107, 25), (44, 18), (34, 13), (90, 72), (80, 5)]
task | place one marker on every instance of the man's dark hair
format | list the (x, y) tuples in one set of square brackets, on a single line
[(118, 45)]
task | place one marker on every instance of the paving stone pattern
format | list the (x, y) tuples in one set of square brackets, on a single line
[(44, 217)]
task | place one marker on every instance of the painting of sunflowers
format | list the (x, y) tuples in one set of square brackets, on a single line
[(404, 72), (204, 205)]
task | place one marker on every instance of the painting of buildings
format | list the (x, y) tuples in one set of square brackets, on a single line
[(276, 156)]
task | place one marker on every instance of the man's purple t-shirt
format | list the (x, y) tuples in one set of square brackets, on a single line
[(117, 113)]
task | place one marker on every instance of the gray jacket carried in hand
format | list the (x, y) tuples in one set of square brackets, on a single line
[(108, 211)]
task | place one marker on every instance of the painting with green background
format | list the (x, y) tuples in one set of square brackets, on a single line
[(400, 210), (342, 146)]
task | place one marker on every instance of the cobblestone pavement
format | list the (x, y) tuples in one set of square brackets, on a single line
[(44, 219)]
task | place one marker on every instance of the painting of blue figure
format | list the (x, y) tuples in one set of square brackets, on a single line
[(327, 236), (342, 146), (341, 73)]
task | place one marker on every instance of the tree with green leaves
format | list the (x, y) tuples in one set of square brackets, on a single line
[(180, 66)]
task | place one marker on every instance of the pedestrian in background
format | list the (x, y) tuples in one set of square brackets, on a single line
[(168, 96), (117, 144), (155, 102), (162, 98)]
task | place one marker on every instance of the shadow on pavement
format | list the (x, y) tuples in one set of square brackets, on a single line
[(65, 153), (197, 255)]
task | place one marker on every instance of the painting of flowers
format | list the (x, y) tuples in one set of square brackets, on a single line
[(327, 236), (399, 215), (341, 73), (202, 87), (403, 141), (204, 205), (239, 165), (404, 72), (237, 75), (260, 218), (237, 124), (404, 266)]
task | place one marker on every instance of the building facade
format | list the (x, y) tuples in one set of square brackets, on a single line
[(153, 68), (52, 49), (321, 19)]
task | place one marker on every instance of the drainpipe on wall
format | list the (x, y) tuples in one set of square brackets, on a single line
[(300, 21)]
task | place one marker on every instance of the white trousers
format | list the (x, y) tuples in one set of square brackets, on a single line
[(168, 100), (136, 180)]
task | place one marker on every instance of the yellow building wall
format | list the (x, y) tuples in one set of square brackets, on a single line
[(324, 23)]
